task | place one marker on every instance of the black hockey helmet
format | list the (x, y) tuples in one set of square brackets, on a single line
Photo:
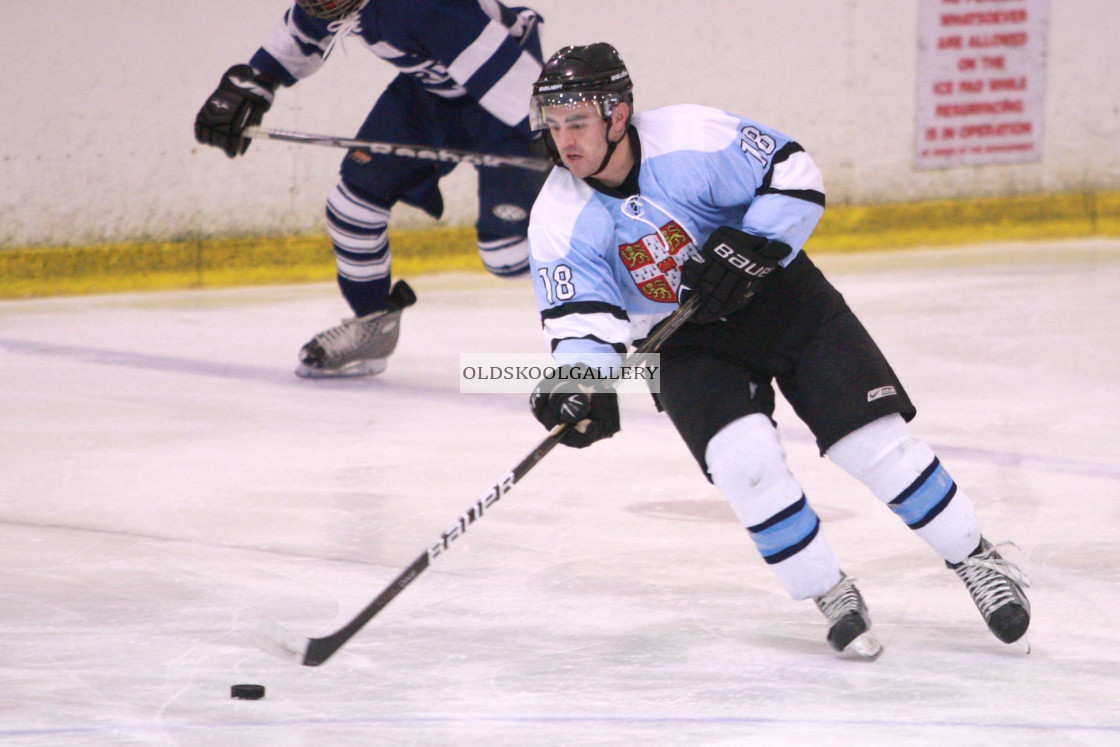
[(330, 10), (576, 74)]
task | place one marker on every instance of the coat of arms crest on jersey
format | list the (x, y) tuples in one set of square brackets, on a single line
[(655, 267)]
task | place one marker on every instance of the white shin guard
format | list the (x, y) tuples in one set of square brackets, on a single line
[(903, 472), (748, 465)]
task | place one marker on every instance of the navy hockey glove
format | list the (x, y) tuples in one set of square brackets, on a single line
[(728, 271), (241, 100), (593, 415)]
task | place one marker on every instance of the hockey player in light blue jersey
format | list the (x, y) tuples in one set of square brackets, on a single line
[(466, 71), (644, 211)]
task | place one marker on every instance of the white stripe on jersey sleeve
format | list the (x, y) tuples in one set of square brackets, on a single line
[(508, 100), (481, 49), (797, 172), (606, 327), (282, 44), (491, 8), (386, 51)]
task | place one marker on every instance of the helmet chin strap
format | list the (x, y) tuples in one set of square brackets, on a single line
[(610, 150)]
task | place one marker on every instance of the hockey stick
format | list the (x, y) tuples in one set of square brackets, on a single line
[(312, 652), (420, 152)]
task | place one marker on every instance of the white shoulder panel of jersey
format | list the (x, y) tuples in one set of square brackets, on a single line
[(559, 205), (685, 127)]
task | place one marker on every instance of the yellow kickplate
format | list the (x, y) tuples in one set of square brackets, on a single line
[(213, 263)]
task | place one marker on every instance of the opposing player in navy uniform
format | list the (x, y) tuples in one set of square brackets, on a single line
[(466, 71), (646, 210)]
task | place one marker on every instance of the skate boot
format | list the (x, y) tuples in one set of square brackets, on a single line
[(849, 623), (996, 586), (359, 346)]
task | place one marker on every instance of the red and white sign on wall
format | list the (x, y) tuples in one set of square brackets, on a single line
[(981, 82)]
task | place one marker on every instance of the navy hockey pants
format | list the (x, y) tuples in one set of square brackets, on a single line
[(370, 185)]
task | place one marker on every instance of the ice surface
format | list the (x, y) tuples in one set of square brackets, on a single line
[(167, 481)]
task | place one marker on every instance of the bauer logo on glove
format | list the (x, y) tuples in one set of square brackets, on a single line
[(743, 262), (728, 271)]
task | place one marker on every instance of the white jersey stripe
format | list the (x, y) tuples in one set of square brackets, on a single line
[(606, 327), (491, 8), (797, 172), (506, 100), (479, 52), (281, 44)]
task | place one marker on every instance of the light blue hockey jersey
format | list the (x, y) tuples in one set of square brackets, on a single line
[(476, 48), (607, 269)]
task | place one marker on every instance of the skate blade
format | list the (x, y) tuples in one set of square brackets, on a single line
[(866, 647), (353, 369)]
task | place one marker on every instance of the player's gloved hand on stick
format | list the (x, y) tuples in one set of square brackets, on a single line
[(572, 397), (240, 101), (728, 270)]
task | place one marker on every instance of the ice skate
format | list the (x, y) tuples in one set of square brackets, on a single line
[(359, 346), (849, 624), (996, 586)]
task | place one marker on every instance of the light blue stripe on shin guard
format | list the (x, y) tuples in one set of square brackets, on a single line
[(786, 533), (926, 497)]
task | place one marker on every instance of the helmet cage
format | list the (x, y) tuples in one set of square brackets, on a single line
[(330, 10), (603, 104)]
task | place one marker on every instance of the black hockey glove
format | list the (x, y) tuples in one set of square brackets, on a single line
[(241, 100), (728, 271), (593, 415)]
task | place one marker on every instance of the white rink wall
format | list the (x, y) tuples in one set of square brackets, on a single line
[(100, 97)]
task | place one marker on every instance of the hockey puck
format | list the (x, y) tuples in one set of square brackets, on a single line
[(247, 692)]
